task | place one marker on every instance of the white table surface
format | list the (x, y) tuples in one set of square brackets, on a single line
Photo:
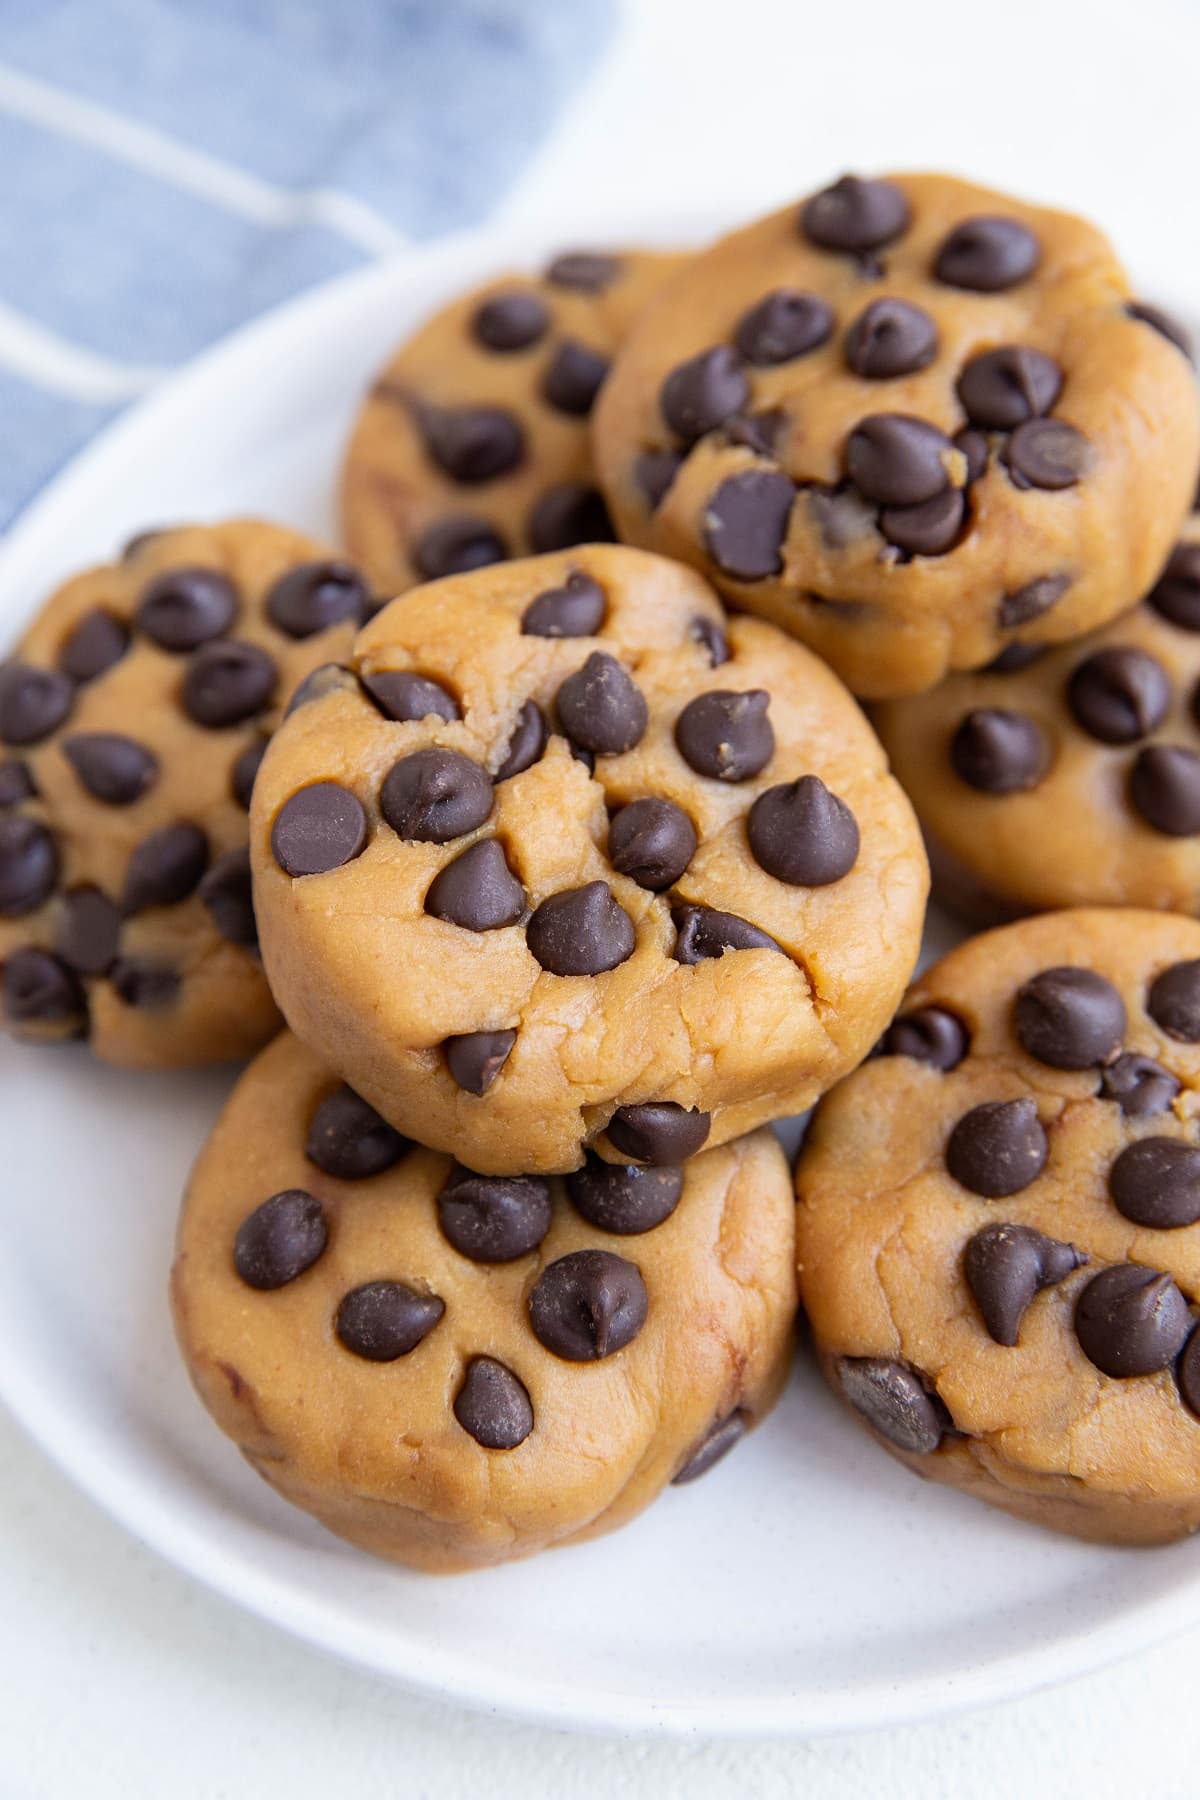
[(118, 1677)]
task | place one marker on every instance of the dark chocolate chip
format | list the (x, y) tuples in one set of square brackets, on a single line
[(623, 1198), (527, 743), (186, 608), (1032, 600), (576, 609), (383, 1320), (149, 986), (1173, 1001), (703, 392), (477, 891), (803, 834), (591, 271), (94, 644), (746, 523), (757, 431), (402, 696), (1047, 453), (16, 783), (493, 1405), (1069, 1018), (510, 321), (571, 512), (315, 595), (974, 446), (475, 1058), (658, 1132), (226, 683), (1187, 1373), (726, 735), (89, 931), (349, 1140), (573, 378), (1164, 788), (999, 752), (898, 460), (653, 472), (601, 708), (165, 868), (894, 1402), (1176, 595), (1156, 1182), (456, 544), (582, 931), (716, 1444), (494, 1218), (33, 702), (998, 1148), (319, 828), (1119, 695), (329, 678), (28, 865), (987, 255), (433, 796), (280, 1239), (1000, 389), (1163, 323), (929, 529), (1131, 1320), (652, 841), (855, 215), (1140, 1086), (1006, 1265), (472, 444), (783, 325), (38, 989), (703, 933), (1014, 658), (709, 634), (112, 768), (891, 338), (245, 769), (588, 1305), (929, 1034), (225, 891)]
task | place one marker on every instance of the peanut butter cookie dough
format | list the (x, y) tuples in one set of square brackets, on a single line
[(472, 446), (452, 1370), (999, 1225), (911, 421), (133, 716), (561, 860)]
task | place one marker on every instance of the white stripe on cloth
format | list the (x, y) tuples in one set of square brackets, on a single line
[(46, 360), (153, 153)]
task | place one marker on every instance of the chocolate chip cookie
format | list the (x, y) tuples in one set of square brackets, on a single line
[(472, 445), (562, 860), (999, 1225), (133, 715), (912, 422), (452, 1370)]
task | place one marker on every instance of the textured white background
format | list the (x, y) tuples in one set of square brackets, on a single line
[(120, 1678)]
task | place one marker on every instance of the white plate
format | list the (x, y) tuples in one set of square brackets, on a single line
[(809, 1584)]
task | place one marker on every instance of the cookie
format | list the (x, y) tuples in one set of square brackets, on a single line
[(472, 445), (561, 860), (133, 716), (912, 422), (1067, 776), (453, 1371), (999, 1225)]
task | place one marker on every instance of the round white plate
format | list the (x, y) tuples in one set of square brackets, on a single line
[(809, 1584)]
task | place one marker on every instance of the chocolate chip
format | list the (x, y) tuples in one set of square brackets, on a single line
[(929, 1034), (581, 931), (33, 702), (493, 1406), (321, 827), (1014, 658), (658, 1132), (894, 1402), (1173, 1001), (999, 752), (1163, 323), (527, 743), (653, 472), (280, 1239), (1069, 1018), (472, 443), (781, 326), (855, 215), (89, 931), (591, 271), (929, 529), (1006, 1265), (652, 841), (164, 868), (746, 522), (493, 1218), (588, 1305), (573, 378), (93, 645), (623, 1198), (987, 255), (383, 1320), (477, 891), (112, 768), (576, 609), (329, 678), (1187, 1373), (28, 865), (716, 1443), (1000, 389), (703, 933), (1131, 1320), (149, 986), (225, 891), (801, 833), (1156, 1182), (571, 512), (891, 338), (16, 783), (186, 607), (1164, 788), (1047, 453), (403, 696), (709, 634), (245, 769), (510, 321), (348, 1139), (1176, 594), (315, 595), (433, 796), (998, 1148), (726, 735), (1119, 695), (974, 446), (226, 683), (1032, 600), (601, 708), (1140, 1086), (456, 544), (475, 1058), (702, 392), (38, 989), (897, 460)]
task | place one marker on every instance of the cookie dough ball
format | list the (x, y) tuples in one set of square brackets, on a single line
[(453, 1371), (562, 861), (472, 446), (911, 421), (1067, 776), (999, 1225), (133, 715)]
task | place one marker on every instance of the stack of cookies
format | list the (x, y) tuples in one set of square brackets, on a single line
[(550, 822)]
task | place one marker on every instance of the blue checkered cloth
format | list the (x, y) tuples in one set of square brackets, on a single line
[(173, 167)]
